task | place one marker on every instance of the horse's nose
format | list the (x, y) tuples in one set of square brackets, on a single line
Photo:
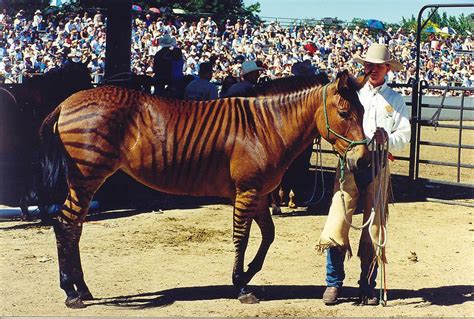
[(357, 164), (362, 163), (358, 158)]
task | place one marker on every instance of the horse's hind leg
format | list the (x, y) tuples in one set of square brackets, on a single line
[(250, 205), (267, 229), (68, 229), (244, 211)]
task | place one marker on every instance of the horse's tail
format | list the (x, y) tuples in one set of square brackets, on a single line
[(53, 163)]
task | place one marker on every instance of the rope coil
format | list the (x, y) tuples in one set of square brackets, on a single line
[(379, 161)]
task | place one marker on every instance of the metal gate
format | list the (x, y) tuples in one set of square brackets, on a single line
[(419, 120)]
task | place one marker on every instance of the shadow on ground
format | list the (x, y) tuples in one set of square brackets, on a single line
[(441, 296)]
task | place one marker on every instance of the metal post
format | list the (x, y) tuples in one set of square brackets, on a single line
[(414, 127), (419, 101), (460, 136), (119, 37)]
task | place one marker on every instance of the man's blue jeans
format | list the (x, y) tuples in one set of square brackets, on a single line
[(335, 271), (335, 267)]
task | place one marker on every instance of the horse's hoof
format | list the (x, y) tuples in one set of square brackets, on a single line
[(74, 303), (248, 298), (276, 211), (86, 296)]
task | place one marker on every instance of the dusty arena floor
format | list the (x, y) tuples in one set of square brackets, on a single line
[(178, 263)]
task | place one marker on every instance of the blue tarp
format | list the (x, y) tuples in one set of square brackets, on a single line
[(375, 24)]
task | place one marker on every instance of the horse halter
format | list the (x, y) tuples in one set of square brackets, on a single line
[(352, 143)]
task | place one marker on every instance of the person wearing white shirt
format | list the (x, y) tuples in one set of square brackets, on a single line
[(385, 119), (37, 18)]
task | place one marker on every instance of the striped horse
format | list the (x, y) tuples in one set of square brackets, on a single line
[(237, 148)]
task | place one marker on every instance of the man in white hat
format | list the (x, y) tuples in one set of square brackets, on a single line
[(385, 119), (246, 87), (75, 56), (37, 18)]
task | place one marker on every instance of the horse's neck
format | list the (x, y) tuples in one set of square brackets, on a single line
[(298, 117)]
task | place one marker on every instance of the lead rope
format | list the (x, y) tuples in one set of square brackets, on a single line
[(381, 201), (379, 159), (318, 166)]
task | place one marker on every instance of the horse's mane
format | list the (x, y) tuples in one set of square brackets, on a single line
[(290, 84)]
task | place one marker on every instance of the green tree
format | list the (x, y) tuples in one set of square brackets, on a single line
[(436, 18), (465, 24), (462, 24), (28, 5), (359, 22), (226, 9), (444, 20), (453, 23), (410, 24), (219, 9)]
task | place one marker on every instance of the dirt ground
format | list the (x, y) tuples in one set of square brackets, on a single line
[(178, 261)]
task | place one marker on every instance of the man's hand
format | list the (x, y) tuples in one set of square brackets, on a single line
[(380, 135)]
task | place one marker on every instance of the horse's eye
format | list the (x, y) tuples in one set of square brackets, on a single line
[(344, 114)]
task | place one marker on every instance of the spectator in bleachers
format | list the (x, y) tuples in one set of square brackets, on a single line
[(163, 63), (246, 87), (278, 47), (201, 88)]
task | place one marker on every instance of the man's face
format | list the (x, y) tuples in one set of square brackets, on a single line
[(378, 72), (252, 77)]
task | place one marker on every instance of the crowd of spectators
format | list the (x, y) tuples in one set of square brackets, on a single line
[(39, 43)]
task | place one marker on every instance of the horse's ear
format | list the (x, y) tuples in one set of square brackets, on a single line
[(342, 80), (359, 82)]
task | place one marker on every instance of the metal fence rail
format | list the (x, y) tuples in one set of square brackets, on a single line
[(434, 122)]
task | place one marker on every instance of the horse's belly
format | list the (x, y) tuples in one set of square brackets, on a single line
[(185, 180)]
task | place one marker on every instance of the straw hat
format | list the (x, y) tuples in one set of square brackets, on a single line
[(379, 54), (250, 66), (167, 41)]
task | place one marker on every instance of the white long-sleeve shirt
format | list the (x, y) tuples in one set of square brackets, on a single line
[(385, 108)]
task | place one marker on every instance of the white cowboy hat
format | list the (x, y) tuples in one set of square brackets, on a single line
[(250, 66), (37, 12), (379, 54), (75, 54), (167, 41)]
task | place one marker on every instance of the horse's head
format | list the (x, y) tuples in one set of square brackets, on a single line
[(342, 121)]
